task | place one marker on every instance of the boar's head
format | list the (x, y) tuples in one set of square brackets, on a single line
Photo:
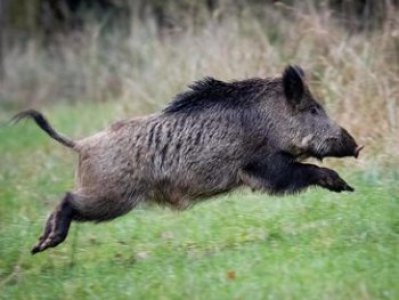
[(304, 128)]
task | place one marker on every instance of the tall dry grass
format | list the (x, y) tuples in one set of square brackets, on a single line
[(356, 74)]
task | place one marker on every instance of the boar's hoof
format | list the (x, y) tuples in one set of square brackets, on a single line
[(51, 241), (330, 180), (57, 226)]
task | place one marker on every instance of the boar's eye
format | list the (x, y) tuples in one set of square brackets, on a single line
[(314, 110)]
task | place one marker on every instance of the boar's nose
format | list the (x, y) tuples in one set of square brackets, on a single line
[(350, 144), (342, 145)]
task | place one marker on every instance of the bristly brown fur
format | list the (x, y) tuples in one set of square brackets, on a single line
[(214, 138)]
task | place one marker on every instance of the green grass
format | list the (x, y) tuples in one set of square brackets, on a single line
[(316, 245)]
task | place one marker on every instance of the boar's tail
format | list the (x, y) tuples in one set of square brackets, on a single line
[(42, 122)]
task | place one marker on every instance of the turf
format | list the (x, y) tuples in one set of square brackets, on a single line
[(243, 245)]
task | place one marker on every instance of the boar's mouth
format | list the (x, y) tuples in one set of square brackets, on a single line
[(341, 153), (341, 145), (337, 154)]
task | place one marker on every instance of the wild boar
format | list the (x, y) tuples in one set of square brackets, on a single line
[(211, 139)]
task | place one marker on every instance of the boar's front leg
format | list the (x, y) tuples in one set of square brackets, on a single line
[(330, 180), (281, 175)]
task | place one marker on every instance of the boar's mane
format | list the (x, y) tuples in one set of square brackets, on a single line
[(212, 93)]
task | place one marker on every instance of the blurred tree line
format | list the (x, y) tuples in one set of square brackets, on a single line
[(51, 16), (44, 19)]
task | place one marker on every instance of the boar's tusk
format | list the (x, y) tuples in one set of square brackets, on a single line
[(357, 150)]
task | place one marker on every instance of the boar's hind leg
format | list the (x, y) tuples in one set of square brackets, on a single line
[(57, 225)]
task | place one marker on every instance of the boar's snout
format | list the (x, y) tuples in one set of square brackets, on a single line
[(344, 145)]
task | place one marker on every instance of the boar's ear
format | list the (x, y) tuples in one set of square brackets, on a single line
[(293, 84)]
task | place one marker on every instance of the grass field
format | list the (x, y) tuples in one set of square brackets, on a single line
[(317, 245)]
